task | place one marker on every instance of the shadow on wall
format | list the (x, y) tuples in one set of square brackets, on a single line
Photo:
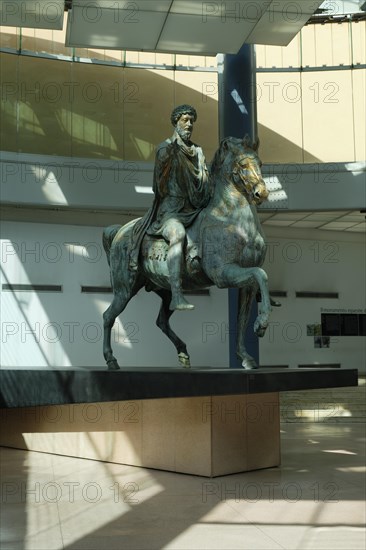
[(89, 110), (97, 111), (275, 148), (65, 328)]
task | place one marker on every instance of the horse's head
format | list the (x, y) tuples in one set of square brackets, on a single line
[(238, 161)]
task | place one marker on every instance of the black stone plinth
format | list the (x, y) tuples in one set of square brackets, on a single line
[(46, 386)]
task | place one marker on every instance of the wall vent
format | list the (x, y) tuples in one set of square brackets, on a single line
[(334, 295), (32, 288), (96, 289)]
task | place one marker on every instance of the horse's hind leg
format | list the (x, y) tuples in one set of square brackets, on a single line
[(120, 300), (163, 323)]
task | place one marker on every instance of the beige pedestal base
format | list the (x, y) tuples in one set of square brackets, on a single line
[(207, 436)]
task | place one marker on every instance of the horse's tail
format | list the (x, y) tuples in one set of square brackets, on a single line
[(108, 235)]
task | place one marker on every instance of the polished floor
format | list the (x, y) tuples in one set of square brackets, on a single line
[(315, 500)]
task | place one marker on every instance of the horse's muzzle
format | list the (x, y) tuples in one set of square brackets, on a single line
[(260, 193)]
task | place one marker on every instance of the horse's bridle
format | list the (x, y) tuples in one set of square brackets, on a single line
[(238, 169)]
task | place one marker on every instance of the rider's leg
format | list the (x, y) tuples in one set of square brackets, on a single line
[(174, 233)]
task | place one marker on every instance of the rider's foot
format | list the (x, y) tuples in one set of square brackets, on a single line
[(180, 303)]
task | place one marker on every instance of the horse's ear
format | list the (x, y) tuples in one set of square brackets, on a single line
[(247, 142), (225, 143), (224, 147)]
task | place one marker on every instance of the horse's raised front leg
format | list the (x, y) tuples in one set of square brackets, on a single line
[(246, 296), (163, 323), (120, 300), (235, 276)]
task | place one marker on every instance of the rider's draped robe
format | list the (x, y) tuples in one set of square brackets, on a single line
[(181, 188)]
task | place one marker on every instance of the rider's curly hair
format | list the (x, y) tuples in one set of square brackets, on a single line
[(182, 110)]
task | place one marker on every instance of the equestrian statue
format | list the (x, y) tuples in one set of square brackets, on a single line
[(202, 230)]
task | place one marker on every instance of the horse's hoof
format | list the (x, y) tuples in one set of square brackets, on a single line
[(249, 364), (179, 303), (184, 307), (184, 360), (251, 367), (261, 331), (113, 365), (260, 328)]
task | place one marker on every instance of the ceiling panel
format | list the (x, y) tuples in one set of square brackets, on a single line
[(337, 225), (249, 10), (349, 221), (358, 228), (353, 217), (339, 7), (300, 7), (190, 27), (305, 224), (188, 33), (181, 26), (278, 223), (264, 215), (124, 7), (276, 29), (106, 29), (325, 216), (292, 216), (36, 14)]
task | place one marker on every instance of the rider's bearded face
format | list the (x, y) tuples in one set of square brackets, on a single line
[(184, 126)]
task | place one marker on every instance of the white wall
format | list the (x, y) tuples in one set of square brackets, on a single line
[(67, 326), (320, 261)]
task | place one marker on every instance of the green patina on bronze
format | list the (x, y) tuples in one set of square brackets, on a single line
[(181, 188), (208, 235)]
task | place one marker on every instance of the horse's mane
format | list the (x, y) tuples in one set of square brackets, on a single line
[(216, 161), (221, 152)]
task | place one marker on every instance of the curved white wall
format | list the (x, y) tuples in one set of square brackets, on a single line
[(67, 326), (65, 329)]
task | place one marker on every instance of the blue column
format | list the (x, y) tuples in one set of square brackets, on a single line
[(237, 117)]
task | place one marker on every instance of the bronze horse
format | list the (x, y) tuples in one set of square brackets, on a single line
[(224, 247)]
